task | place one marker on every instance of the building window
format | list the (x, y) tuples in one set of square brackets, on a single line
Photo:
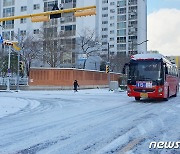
[(104, 22), (23, 32), (121, 10), (121, 17), (112, 3), (132, 9), (36, 31), (23, 8), (132, 38), (23, 20), (121, 54), (104, 36), (104, 43), (49, 5), (8, 12), (121, 39), (132, 2), (112, 32), (104, 49), (9, 35), (104, 15), (121, 32), (112, 11), (121, 3), (121, 46), (105, 1), (121, 25), (105, 8), (8, 2), (8, 24), (104, 29), (68, 1), (111, 46), (111, 39), (112, 17), (36, 6), (111, 24)]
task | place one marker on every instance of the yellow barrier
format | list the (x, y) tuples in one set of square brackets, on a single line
[(47, 13), (40, 19), (85, 13)]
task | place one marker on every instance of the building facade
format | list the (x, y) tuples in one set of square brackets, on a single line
[(122, 26), (61, 31)]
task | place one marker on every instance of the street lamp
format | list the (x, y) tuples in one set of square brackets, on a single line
[(142, 42), (132, 47)]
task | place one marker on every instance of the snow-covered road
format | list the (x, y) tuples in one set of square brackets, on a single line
[(89, 121)]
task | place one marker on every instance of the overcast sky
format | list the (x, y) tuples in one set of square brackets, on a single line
[(164, 26)]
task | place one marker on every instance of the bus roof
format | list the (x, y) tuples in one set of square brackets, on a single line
[(147, 56)]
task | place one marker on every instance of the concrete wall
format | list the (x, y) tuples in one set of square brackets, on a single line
[(66, 77)]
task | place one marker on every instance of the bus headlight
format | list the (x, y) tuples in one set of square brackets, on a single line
[(160, 90)]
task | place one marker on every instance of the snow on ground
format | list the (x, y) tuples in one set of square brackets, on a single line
[(9, 105), (89, 121)]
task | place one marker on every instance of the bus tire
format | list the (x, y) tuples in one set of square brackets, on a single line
[(166, 99), (137, 98)]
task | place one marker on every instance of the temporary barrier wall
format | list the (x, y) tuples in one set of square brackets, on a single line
[(66, 77)]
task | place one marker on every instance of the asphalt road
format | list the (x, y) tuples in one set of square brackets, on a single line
[(90, 121)]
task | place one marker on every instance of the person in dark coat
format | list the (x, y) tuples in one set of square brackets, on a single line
[(75, 85)]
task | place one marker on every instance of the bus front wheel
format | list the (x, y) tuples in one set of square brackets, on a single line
[(137, 98)]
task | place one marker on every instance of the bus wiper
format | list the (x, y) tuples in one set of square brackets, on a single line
[(146, 79)]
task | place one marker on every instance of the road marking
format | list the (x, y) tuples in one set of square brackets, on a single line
[(130, 145)]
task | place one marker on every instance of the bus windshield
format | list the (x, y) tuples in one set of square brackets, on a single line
[(145, 71)]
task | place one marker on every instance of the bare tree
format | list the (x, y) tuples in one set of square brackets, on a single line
[(67, 45), (51, 46), (88, 44), (31, 47), (118, 61)]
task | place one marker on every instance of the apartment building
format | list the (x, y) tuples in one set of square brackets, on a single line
[(122, 26), (64, 30)]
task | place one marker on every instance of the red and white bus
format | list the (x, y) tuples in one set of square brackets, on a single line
[(152, 76)]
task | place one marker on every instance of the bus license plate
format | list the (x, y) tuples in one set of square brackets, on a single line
[(143, 95), (144, 84)]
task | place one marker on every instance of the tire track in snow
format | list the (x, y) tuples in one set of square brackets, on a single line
[(113, 115), (84, 117)]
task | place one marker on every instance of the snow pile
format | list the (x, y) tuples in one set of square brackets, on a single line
[(11, 105)]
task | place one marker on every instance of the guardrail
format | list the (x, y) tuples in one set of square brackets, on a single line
[(13, 81)]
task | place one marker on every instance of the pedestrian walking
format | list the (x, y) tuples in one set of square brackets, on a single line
[(75, 85)]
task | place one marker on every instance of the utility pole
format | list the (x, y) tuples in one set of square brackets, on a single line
[(108, 63), (17, 88), (9, 69)]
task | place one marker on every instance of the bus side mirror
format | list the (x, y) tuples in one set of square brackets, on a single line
[(165, 68), (125, 68)]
